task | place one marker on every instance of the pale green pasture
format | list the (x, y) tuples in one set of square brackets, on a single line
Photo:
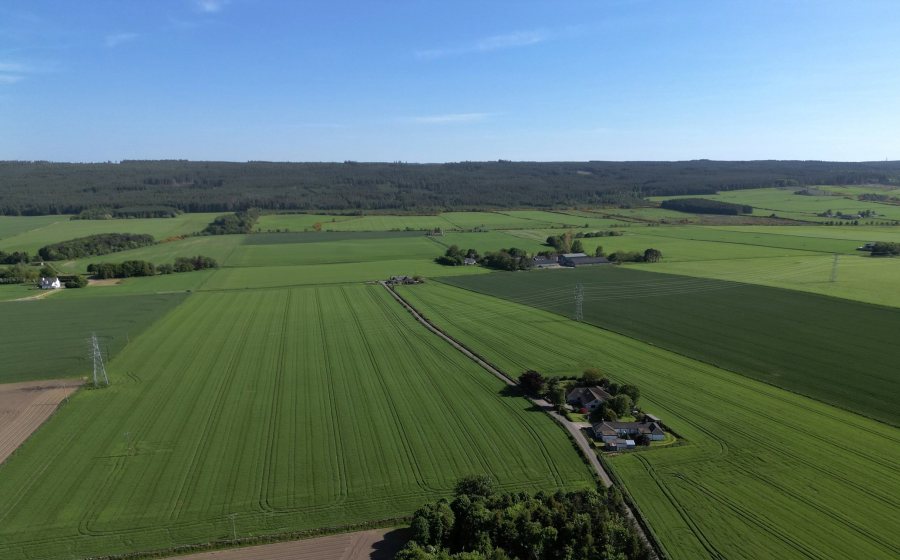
[(159, 228), (341, 273), (298, 222), (673, 249), (869, 279), (488, 241), (16, 225)]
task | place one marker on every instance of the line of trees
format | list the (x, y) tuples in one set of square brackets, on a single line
[(106, 213), (649, 255), (480, 523), (705, 206), (136, 268), (239, 222), (99, 244), (40, 187)]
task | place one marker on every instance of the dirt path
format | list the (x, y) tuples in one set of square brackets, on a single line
[(587, 450), (42, 295), (363, 545), (25, 406)]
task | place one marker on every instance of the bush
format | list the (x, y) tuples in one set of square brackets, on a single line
[(77, 281)]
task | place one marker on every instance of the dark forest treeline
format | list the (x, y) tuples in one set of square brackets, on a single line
[(706, 206), (31, 188)]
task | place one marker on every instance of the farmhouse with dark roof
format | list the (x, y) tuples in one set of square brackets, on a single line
[(587, 397)]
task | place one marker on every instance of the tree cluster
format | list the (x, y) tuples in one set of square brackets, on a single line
[(507, 259), (885, 249), (482, 524), (40, 187), (99, 244), (239, 222), (15, 257), (18, 274), (453, 256), (705, 206), (624, 397), (135, 268)]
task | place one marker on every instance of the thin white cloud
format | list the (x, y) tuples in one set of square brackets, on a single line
[(210, 6), (14, 72), (117, 39), (493, 43), (6, 79), (14, 67), (451, 118)]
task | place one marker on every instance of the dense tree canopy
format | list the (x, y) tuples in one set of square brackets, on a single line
[(481, 525), (100, 244), (31, 188)]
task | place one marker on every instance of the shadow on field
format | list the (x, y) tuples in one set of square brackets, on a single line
[(390, 545)]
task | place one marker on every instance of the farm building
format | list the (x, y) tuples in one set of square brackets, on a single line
[(580, 259), (587, 397), (610, 431), (50, 283), (620, 444), (546, 261), (468, 261)]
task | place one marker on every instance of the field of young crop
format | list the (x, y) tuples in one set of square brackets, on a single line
[(834, 350), (761, 473), (488, 241), (48, 338), (63, 229), (265, 411), (329, 252), (859, 278), (762, 236), (297, 222)]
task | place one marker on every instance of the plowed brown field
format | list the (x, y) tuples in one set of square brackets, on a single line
[(25, 406), (362, 545)]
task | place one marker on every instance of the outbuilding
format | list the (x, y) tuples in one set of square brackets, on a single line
[(50, 283)]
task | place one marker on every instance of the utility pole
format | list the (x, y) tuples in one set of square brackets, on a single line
[(834, 269), (579, 302), (233, 530)]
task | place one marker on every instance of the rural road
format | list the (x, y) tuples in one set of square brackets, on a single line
[(584, 445)]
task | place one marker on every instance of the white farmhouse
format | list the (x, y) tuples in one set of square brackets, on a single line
[(50, 283)]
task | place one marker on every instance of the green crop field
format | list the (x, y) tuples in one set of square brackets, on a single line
[(64, 229), (17, 225), (761, 472), (325, 237), (835, 350), (867, 279), (346, 251), (48, 338), (297, 222), (274, 410), (488, 241)]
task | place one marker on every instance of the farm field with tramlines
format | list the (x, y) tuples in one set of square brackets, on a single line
[(288, 409), (760, 472)]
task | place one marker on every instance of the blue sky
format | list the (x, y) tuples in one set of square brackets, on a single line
[(392, 80)]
